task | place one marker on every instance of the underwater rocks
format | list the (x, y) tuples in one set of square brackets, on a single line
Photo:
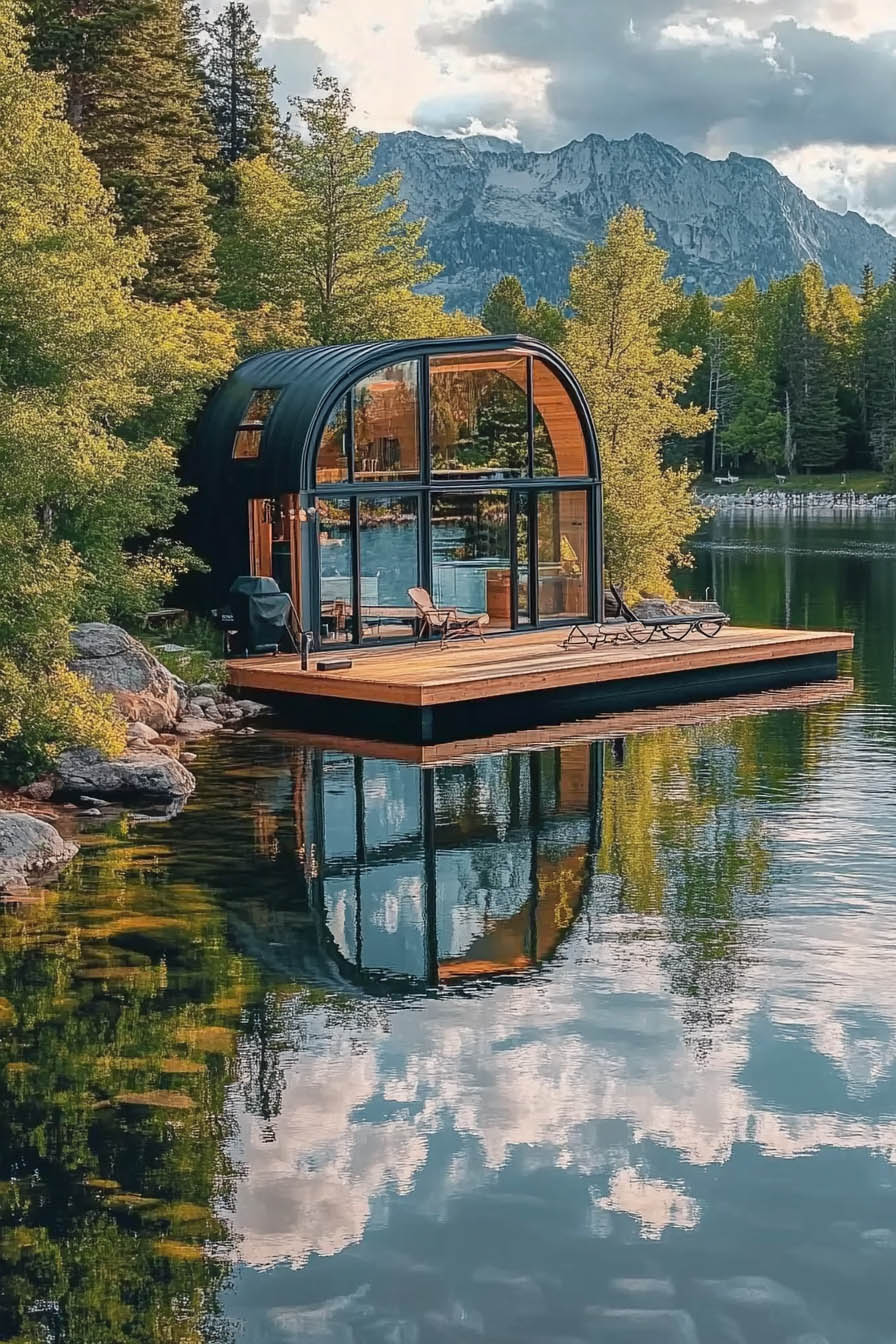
[(29, 849)]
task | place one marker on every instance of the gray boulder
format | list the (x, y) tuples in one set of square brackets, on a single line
[(141, 732), (191, 726), (29, 849), (115, 662), (137, 774)]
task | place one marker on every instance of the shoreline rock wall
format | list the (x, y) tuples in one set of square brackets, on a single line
[(802, 502)]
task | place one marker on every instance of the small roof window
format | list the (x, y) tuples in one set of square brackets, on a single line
[(247, 443)]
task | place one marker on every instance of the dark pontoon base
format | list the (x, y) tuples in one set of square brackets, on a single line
[(450, 722)]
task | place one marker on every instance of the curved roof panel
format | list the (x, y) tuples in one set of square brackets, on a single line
[(312, 381)]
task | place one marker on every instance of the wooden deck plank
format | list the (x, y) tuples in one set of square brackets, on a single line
[(511, 664)]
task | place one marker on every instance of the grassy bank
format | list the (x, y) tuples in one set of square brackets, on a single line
[(862, 482)]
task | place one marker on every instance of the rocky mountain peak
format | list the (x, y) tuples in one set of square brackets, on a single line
[(494, 207)]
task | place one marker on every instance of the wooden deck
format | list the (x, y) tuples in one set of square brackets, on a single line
[(430, 694)]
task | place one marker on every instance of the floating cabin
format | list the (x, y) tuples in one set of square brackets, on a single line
[(468, 468)]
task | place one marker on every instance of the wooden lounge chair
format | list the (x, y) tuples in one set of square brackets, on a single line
[(642, 629), (447, 622)]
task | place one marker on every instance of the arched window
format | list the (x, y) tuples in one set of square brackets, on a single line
[(332, 455), (385, 424)]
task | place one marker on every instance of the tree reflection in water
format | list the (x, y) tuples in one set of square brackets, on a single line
[(164, 982)]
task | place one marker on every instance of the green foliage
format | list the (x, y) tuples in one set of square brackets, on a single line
[(132, 94), (95, 387), (307, 231), (200, 659), (505, 312), (620, 298)]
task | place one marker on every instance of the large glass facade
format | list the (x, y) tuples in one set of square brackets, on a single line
[(336, 545), (488, 503), (471, 565), (441, 875)]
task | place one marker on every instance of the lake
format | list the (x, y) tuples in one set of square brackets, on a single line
[(592, 1043)]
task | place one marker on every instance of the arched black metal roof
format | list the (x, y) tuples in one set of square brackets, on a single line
[(313, 381)]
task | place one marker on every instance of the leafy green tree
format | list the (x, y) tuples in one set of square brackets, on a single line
[(95, 389), (132, 94), (620, 297), (239, 90), (757, 428), (308, 230)]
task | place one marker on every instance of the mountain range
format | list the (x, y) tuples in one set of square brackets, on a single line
[(493, 207)]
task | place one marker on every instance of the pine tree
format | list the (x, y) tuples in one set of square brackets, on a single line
[(505, 311), (806, 369), (620, 299), (132, 93), (546, 322), (868, 286), (309, 230), (357, 247), (879, 362), (239, 90)]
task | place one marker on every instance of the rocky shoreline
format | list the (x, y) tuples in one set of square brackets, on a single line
[(163, 716), (798, 501)]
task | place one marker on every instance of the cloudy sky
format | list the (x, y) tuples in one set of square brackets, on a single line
[(810, 84)]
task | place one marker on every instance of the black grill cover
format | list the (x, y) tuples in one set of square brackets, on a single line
[(261, 613)]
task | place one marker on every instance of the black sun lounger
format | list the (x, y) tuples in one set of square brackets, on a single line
[(642, 629)]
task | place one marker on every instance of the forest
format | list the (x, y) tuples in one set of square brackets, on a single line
[(162, 219)]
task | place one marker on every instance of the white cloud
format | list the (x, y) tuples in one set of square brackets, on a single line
[(407, 70), (363, 1103)]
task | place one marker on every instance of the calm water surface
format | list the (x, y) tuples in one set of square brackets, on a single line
[(595, 1043)]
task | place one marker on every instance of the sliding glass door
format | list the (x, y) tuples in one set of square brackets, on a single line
[(519, 555)]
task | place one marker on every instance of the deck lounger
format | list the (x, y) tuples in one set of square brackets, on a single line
[(676, 627), (642, 629), (447, 622)]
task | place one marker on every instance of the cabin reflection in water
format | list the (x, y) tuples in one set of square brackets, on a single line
[(440, 875)]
